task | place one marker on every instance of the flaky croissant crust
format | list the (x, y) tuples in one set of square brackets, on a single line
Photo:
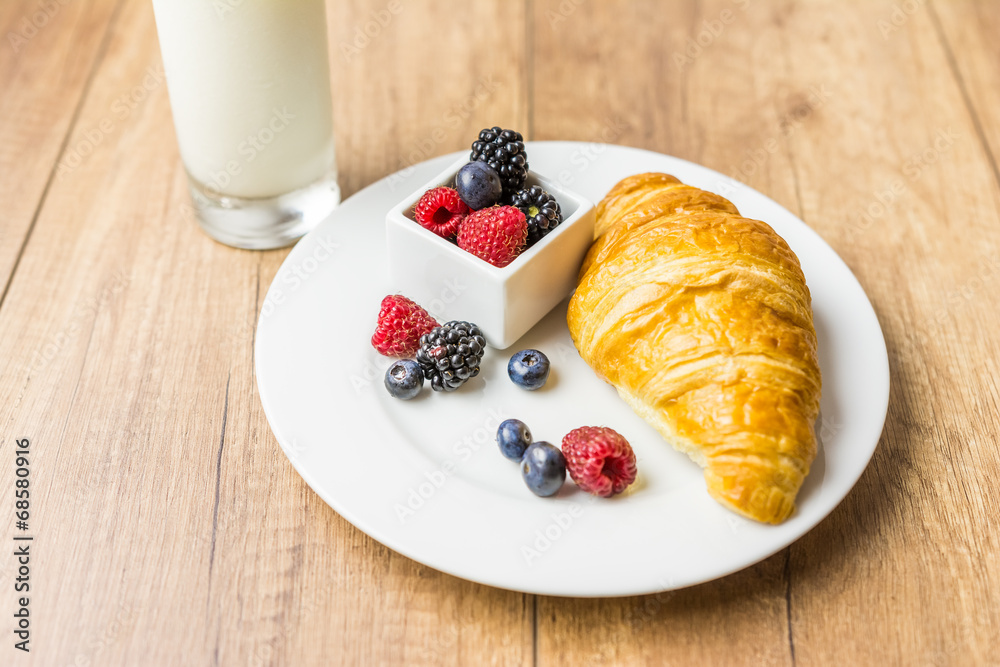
[(701, 319)]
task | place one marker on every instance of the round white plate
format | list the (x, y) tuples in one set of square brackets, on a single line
[(425, 478)]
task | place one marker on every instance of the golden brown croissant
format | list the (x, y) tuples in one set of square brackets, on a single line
[(701, 319)]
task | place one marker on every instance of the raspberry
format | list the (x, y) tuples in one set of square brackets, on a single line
[(441, 211), (599, 460), (496, 234), (401, 323)]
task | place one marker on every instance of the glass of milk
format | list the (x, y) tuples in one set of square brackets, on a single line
[(249, 86)]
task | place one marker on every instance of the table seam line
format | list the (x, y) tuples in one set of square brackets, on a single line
[(218, 481), (788, 602), (956, 74), (534, 632)]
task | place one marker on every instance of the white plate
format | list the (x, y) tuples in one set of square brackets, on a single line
[(424, 477)]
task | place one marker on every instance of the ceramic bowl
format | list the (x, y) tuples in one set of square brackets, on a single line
[(453, 284)]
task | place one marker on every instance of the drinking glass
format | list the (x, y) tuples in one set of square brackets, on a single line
[(249, 86)]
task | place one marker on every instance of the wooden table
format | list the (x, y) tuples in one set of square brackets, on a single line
[(171, 530)]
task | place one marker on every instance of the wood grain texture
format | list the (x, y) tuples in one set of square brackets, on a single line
[(172, 530), (173, 513), (47, 56), (967, 30), (863, 132), (921, 522), (672, 103)]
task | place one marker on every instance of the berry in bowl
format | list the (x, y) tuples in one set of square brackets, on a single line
[(490, 241)]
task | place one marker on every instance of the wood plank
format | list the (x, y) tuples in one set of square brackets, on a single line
[(792, 99), (48, 53), (170, 527), (418, 87), (650, 88), (922, 522)]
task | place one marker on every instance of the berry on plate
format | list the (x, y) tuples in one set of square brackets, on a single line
[(478, 185), (540, 208), (599, 460), (450, 354), (404, 379), (543, 469), (513, 437), (441, 211), (401, 323), (528, 369), (495, 235), (504, 151)]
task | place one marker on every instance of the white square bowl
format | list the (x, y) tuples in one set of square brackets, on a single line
[(453, 284)]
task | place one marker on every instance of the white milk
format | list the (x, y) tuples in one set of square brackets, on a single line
[(249, 86)]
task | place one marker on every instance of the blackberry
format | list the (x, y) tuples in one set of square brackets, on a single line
[(540, 208), (504, 151), (450, 354)]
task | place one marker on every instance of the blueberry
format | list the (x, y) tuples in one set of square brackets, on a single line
[(528, 369), (478, 185), (513, 437), (404, 379), (543, 469)]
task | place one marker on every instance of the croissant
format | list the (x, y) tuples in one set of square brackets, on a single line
[(701, 319)]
